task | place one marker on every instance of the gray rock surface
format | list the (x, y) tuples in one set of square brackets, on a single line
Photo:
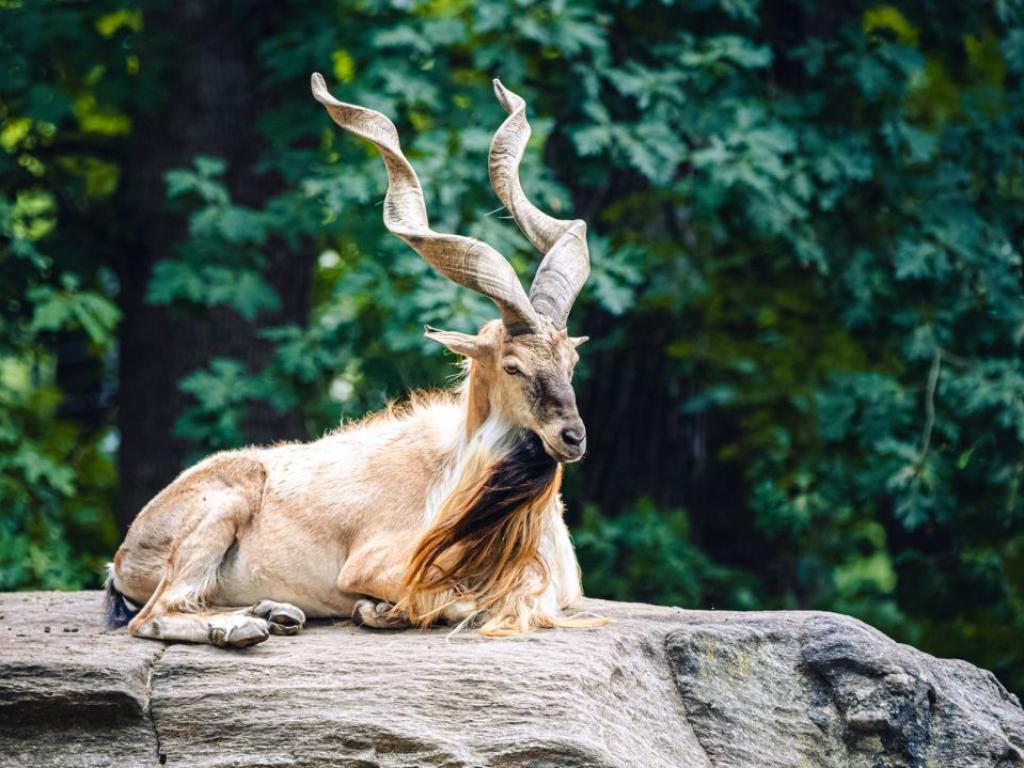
[(657, 687)]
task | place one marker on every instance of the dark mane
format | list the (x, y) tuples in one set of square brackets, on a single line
[(521, 475), (485, 542)]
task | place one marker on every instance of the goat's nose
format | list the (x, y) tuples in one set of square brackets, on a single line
[(574, 435)]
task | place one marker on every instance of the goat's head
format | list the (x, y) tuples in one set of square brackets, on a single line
[(526, 359), (527, 380)]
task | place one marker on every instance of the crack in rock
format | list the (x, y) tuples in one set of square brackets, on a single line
[(147, 693)]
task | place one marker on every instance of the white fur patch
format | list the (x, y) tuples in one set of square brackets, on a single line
[(494, 435)]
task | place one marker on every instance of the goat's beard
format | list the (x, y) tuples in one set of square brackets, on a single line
[(484, 545)]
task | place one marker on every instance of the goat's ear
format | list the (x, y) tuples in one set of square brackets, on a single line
[(579, 341), (459, 343)]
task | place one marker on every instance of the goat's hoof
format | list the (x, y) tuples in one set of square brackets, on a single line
[(285, 619), (379, 615), (240, 635)]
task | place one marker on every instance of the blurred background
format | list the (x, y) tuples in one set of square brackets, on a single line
[(806, 384)]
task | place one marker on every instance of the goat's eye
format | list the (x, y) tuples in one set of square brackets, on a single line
[(512, 370)]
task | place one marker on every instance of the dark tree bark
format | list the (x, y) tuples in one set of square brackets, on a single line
[(213, 99)]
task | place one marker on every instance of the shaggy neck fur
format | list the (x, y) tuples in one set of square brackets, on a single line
[(484, 542)]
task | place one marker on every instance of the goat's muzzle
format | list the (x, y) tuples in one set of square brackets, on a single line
[(570, 443)]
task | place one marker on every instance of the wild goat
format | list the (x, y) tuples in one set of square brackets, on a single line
[(444, 510)]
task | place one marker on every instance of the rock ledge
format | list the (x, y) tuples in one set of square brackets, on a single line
[(658, 687)]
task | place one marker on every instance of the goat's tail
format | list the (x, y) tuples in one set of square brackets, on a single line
[(116, 607)]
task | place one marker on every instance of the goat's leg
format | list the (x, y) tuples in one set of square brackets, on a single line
[(226, 627), (234, 629), (179, 608)]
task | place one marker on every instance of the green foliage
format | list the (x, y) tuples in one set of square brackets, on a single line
[(218, 265), (648, 555), (56, 476), (822, 208)]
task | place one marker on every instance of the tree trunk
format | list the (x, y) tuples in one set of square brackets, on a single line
[(212, 102)]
